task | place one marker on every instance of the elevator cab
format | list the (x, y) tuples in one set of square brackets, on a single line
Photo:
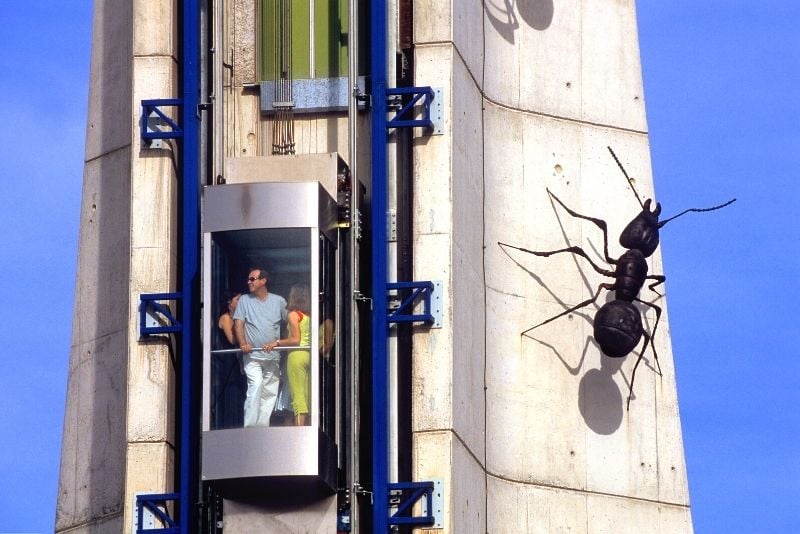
[(253, 442)]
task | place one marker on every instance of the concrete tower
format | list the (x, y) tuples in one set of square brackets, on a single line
[(528, 433), (119, 423)]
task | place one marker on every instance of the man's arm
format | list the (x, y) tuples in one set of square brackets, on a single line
[(238, 326)]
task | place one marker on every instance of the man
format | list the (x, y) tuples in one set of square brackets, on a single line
[(257, 324)]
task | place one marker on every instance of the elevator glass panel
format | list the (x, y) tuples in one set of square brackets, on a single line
[(285, 254)]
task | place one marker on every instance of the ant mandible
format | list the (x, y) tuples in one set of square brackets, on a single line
[(618, 323)]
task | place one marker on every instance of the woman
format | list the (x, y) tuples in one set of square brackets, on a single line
[(226, 370), (298, 361), (225, 321)]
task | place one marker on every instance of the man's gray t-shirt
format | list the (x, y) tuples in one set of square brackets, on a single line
[(262, 321)]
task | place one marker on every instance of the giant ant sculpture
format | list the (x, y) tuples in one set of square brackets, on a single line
[(618, 323)]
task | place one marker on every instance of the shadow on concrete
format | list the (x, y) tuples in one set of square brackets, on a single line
[(504, 15), (93, 455), (599, 399)]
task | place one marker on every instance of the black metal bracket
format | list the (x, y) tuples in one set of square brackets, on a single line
[(155, 317)]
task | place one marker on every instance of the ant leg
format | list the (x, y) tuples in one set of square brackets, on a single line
[(600, 223), (648, 338), (659, 279), (576, 307), (573, 250), (653, 334)]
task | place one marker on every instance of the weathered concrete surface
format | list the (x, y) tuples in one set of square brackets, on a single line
[(542, 416), (150, 417), (314, 518), (91, 482), (119, 427), (528, 433)]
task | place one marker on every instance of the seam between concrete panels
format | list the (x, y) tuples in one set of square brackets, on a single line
[(95, 521), (433, 44), (157, 56), (457, 437), (587, 492), (108, 153), (524, 110), (560, 118), (99, 337)]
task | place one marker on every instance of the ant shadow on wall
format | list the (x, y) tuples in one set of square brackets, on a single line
[(600, 400), (621, 323), (504, 15)]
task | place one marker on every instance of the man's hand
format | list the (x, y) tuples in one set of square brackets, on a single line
[(247, 348)]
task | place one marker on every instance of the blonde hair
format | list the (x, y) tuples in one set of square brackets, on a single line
[(299, 298)]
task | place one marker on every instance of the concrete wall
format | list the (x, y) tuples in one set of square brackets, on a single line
[(530, 433), (91, 485), (118, 428), (150, 418)]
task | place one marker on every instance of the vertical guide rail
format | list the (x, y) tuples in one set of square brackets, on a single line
[(190, 251), (380, 329), (353, 458)]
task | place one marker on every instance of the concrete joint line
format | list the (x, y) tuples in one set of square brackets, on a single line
[(95, 521), (584, 491), (560, 118), (458, 437), (434, 44), (156, 56), (107, 153), (153, 442)]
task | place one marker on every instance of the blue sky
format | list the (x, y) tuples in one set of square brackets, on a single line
[(44, 72), (724, 119), (721, 88)]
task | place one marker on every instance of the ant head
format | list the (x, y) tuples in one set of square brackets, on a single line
[(642, 232)]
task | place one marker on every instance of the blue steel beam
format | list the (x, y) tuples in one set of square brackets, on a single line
[(380, 329), (188, 480)]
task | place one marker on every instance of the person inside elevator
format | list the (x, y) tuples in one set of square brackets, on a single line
[(298, 361), (225, 321), (257, 322), (226, 369)]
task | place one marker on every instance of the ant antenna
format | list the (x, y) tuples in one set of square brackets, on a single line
[(684, 212), (630, 180)]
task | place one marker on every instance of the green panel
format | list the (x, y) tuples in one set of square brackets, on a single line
[(300, 38), (330, 38)]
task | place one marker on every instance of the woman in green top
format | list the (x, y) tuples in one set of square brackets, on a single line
[(299, 361)]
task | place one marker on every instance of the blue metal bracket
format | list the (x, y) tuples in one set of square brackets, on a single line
[(431, 108), (155, 317), (154, 119), (159, 520), (406, 495), (403, 312)]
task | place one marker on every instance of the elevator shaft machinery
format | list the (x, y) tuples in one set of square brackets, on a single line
[(291, 226)]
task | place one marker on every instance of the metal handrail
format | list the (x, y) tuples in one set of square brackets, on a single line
[(261, 349)]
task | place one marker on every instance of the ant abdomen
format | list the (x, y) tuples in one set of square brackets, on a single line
[(617, 328)]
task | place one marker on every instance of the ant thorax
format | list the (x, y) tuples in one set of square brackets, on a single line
[(642, 232)]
